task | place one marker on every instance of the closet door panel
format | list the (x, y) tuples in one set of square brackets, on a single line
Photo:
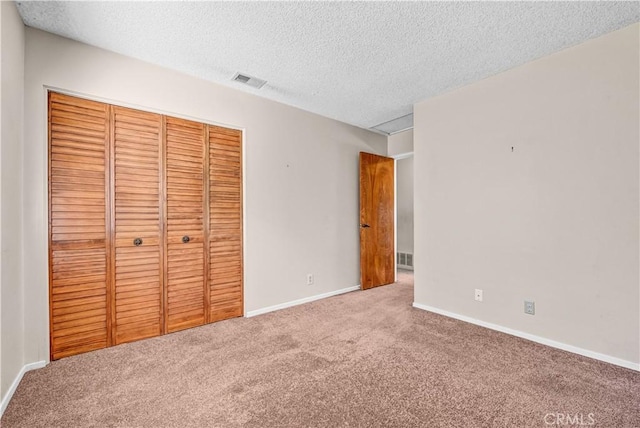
[(138, 246), (185, 144), (145, 224), (225, 223), (78, 213)]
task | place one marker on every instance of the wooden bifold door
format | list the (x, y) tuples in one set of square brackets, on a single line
[(145, 224)]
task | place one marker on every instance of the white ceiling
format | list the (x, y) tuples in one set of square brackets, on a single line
[(364, 63)]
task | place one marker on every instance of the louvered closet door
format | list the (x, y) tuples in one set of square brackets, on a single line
[(138, 216), (225, 217), (78, 221), (185, 144)]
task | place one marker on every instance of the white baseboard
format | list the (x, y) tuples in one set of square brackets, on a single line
[(534, 338), (250, 314), (16, 382)]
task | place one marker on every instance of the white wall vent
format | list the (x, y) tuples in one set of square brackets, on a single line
[(254, 82), (405, 260)]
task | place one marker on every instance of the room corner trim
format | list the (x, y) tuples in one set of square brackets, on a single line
[(285, 305), (532, 337), (27, 367)]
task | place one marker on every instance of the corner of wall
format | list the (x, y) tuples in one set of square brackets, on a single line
[(12, 335)]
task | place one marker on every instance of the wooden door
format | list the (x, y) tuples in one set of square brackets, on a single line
[(138, 214), (377, 218), (78, 225), (225, 223), (145, 224), (186, 296)]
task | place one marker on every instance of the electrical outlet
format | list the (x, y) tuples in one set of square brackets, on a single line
[(529, 307), (478, 295), (309, 279)]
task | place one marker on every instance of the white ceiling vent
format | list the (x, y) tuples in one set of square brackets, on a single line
[(254, 82)]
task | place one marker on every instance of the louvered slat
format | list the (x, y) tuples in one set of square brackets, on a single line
[(185, 305), (138, 280), (225, 223), (78, 177)]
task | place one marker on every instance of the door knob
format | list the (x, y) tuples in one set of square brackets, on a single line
[(185, 239), (137, 242), (364, 225)]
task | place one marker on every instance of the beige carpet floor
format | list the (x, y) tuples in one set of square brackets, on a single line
[(364, 359)]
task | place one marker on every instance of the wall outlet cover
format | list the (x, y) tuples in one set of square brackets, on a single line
[(529, 307)]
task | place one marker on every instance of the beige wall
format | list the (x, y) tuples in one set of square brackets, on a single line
[(400, 143), (11, 132), (404, 204), (556, 219), (301, 173), (400, 146)]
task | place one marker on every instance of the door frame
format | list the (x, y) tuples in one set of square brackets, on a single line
[(396, 158)]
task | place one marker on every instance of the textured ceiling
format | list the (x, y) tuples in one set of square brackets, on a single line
[(364, 63)]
